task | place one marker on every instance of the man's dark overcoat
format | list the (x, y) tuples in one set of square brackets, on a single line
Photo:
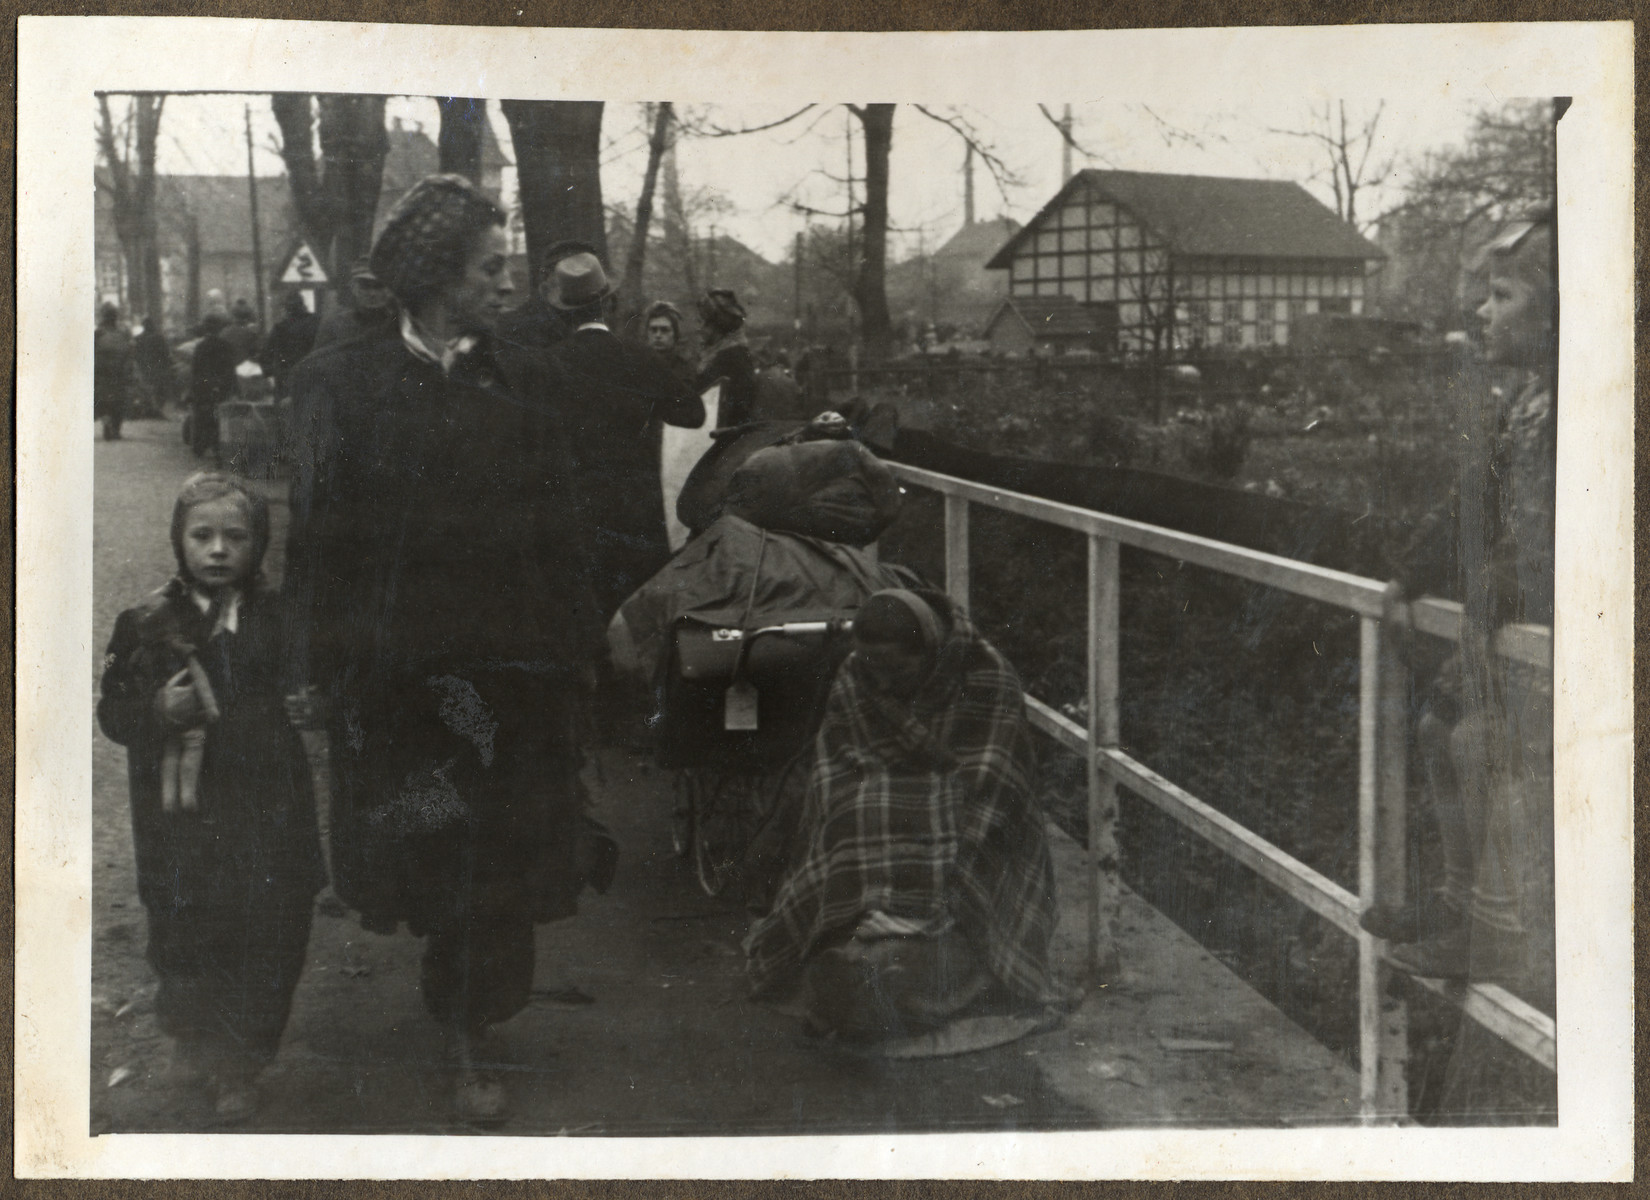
[(617, 396), (434, 550)]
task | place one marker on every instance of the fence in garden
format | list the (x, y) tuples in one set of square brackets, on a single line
[(1383, 764), (935, 373)]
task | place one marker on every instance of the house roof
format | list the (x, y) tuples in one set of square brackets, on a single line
[(978, 240), (1217, 216), (1051, 316), (223, 211), (413, 154)]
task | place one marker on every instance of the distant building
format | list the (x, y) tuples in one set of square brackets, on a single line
[(205, 226), (1189, 260), (1050, 325), (953, 285), (413, 155)]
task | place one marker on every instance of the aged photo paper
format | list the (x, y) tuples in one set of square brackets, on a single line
[(1143, 100)]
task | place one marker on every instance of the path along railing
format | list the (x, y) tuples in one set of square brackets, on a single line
[(1382, 765)]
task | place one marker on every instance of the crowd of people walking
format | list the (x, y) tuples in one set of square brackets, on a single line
[(475, 494)]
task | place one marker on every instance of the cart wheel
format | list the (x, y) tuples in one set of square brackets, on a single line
[(727, 812), (681, 814)]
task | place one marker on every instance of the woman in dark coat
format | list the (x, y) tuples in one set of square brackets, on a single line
[(727, 357), (228, 856), (433, 529), (211, 382)]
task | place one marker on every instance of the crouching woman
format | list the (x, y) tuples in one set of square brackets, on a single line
[(926, 892)]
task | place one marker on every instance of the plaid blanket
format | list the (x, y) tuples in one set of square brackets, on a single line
[(923, 810)]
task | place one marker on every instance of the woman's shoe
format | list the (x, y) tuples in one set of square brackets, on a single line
[(236, 1101)]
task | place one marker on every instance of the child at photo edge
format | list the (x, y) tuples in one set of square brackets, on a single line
[(223, 813)]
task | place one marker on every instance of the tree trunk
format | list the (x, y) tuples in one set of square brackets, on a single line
[(459, 141), (678, 233), (130, 181), (871, 279), (335, 194), (632, 291), (558, 171), (354, 145)]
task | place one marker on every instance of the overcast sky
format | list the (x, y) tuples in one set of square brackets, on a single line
[(759, 173)]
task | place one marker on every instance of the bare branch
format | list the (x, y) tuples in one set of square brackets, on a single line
[(1001, 174), (719, 131)]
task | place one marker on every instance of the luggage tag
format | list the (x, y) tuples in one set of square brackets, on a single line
[(739, 707)]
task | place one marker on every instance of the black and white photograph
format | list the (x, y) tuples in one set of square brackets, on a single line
[(590, 570)]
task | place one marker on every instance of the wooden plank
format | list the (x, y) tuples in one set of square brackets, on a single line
[(1318, 892), (1102, 734), (1530, 644), (1509, 1018), (1369, 961), (1521, 1025), (1057, 725), (956, 548), (1391, 861), (1302, 579)]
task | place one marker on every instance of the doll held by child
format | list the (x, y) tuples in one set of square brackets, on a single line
[(223, 813)]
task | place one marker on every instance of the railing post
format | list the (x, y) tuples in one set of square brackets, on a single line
[(1103, 735), (956, 548), (1392, 860), (1383, 1020)]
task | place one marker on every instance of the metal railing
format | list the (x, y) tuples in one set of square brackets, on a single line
[(1382, 764)]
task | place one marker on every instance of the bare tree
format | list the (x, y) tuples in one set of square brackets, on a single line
[(459, 141), (335, 184), (1346, 147), (558, 146), (631, 290), (128, 176), (1458, 198)]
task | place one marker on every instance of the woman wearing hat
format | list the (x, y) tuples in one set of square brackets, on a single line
[(432, 516), (727, 356), (926, 890)]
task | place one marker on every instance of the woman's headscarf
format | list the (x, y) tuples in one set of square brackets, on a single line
[(427, 236), (902, 618), (206, 486), (720, 310)]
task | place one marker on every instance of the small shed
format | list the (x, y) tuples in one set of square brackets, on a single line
[(1050, 325)]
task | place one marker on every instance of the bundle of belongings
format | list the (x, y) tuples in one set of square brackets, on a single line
[(781, 513), (816, 478)]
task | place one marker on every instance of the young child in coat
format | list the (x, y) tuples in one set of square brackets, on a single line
[(223, 814)]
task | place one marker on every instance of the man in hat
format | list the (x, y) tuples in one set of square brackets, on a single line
[(617, 395), (374, 310), (292, 338), (538, 322)]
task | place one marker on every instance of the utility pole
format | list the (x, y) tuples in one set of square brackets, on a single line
[(796, 304), (710, 259), (1065, 146), (848, 128), (968, 184), (257, 241)]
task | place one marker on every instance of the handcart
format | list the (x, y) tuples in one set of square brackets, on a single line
[(742, 704)]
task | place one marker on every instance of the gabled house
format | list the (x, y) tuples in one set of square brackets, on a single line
[(1182, 261)]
